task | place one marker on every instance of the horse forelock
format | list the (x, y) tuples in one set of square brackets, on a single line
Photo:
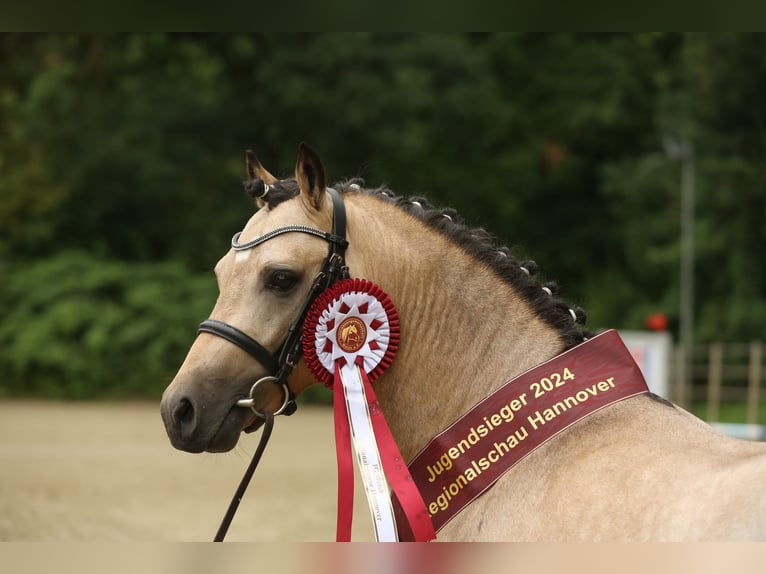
[(277, 193), (475, 241)]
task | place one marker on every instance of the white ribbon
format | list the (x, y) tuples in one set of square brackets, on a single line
[(367, 455)]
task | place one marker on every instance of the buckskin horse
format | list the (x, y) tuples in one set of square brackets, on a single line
[(471, 319)]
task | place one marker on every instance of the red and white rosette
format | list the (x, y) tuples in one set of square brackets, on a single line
[(350, 337)]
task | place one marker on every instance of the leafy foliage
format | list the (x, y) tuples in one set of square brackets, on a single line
[(120, 153), (77, 326)]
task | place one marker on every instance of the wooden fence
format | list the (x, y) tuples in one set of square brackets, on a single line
[(721, 375)]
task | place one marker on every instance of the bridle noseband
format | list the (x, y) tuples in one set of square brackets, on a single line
[(281, 363)]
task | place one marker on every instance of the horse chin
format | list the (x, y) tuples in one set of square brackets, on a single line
[(227, 435), (254, 426)]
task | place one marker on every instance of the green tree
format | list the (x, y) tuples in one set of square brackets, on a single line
[(127, 149), (708, 94)]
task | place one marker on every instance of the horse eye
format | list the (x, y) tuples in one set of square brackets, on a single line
[(282, 281)]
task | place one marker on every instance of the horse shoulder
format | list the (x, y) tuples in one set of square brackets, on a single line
[(638, 470)]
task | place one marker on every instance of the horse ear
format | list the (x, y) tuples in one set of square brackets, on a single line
[(310, 175), (255, 171)]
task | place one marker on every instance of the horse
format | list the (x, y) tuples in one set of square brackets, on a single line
[(472, 317)]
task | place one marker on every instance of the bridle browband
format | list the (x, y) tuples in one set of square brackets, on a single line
[(281, 363)]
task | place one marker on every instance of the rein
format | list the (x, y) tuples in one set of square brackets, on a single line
[(268, 425), (280, 363)]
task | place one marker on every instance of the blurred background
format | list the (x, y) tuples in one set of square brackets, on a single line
[(629, 166)]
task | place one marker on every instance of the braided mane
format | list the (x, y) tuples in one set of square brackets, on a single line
[(475, 241)]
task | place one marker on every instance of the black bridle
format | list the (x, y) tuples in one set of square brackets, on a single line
[(283, 360), (281, 363)]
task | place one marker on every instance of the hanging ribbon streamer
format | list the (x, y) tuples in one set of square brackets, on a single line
[(350, 337)]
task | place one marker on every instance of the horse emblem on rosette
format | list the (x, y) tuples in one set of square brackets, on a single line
[(351, 334), (512, 421)]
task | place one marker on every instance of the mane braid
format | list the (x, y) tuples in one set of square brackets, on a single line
[(482, 246), (475, 241)]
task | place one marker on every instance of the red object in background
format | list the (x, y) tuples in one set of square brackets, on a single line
[(656, 322)]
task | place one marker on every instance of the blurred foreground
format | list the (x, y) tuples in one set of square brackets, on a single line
[(107, 472)]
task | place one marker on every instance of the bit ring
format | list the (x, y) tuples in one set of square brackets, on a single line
[(250, 402)]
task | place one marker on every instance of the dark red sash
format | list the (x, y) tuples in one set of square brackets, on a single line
[(468, 457)]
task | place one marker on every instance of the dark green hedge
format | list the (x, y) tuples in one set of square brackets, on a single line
[(78, 326)]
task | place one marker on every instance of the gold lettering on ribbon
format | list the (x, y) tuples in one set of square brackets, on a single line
[(470, 455), (532, 423)]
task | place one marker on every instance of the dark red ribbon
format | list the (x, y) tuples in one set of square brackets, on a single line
[(345, 463), (468, 457), (412, 509)]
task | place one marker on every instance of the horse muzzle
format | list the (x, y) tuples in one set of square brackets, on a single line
[(196, 425)]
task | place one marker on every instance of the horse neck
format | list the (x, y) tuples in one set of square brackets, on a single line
[(464, 331)]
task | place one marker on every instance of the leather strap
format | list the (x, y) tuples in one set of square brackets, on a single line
[(333, 269), (242, 340), (338, 242)]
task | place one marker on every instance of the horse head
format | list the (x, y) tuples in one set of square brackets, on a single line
[(262, 282)]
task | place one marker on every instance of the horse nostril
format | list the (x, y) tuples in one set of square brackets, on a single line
[(182, 422), (183, 413)]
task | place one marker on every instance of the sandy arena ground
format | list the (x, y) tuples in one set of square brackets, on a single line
[(107, 472), (72, 472)]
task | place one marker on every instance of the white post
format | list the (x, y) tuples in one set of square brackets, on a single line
[(682, 150)]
